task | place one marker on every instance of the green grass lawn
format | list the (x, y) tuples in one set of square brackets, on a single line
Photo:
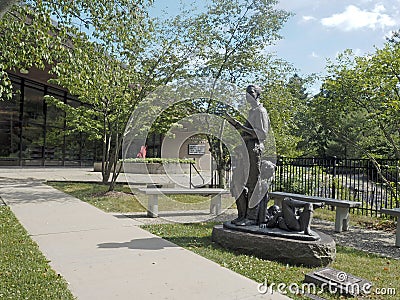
[(121, 200), (24, 271), (125, 200)]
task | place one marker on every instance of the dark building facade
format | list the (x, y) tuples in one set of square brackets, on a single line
[(33, 133)]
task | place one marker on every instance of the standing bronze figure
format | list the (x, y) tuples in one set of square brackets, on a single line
[(254, 132)]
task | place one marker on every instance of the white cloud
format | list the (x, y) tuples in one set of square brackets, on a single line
[(308, 18), (314, 55), (354, 18)]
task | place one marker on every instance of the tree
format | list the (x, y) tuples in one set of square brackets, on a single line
[(287, 103), (109, 54), (367, 86), (232, 37), (114, 73), (26, 41)]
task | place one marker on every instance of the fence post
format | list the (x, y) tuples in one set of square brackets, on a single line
[(212, 172), (190, 175), (397, 183), (334, 177), (280, 164)]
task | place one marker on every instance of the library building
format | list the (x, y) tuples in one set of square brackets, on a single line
[(33, 133)]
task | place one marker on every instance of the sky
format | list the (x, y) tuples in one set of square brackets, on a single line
[(321, 29)]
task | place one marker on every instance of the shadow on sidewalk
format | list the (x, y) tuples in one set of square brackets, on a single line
[(140, 244), (17, 191)]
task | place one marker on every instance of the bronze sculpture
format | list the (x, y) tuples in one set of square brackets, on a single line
[(254, 133), (295, 215), (250, 184)]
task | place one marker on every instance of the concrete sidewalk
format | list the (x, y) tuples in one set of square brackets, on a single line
[(88, 175), (105, 257)]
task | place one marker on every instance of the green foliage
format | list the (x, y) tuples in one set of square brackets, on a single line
[(301, 180), (232, 36), (364, 90), (114, 67), (286, 101), (5, 84), (26, 41), (24, 271)]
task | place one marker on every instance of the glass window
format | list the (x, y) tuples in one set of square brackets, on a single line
[(33, 121), (55, 136), (9, 124), (43, 135), (32, 141), (72, 147), (54, 143), (73, 103), (90, 148), (153, 143), (33, 106), (55, 116), (33, 84)]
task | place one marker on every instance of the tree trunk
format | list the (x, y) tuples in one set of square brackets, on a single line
[(221, 166), (117, 167), (217, 152), (221, 176), (105, 161)]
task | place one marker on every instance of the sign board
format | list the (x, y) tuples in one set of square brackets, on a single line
[(338, 281), (198, 149)]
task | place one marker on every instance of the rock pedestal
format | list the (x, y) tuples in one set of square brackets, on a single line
[(311, 253)]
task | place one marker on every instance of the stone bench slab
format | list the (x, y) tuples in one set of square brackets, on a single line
[(342, 218), (153, 193), (396, 213)]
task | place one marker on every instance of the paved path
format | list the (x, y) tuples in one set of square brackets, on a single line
[(105, 257), (87, 174)]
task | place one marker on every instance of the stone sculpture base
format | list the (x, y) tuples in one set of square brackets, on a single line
[(277, 232), (311, 253)]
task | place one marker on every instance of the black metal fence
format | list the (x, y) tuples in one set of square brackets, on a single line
[(375, 185)]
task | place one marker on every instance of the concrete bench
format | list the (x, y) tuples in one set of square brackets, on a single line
[(153, 193), (342, 206), (396, 213)]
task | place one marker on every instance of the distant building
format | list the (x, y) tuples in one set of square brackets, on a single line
[(33, 133)]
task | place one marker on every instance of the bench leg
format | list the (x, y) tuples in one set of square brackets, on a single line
[(152, 209), (215, 205), (342, 219), (398, 232)]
